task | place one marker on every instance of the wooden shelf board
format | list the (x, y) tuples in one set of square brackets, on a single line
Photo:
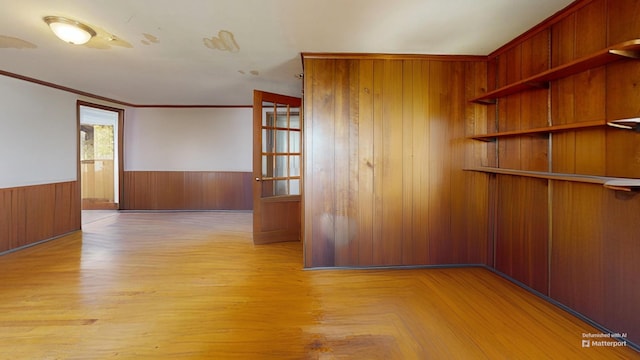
[(624, 184), (547, 129), (627, 49)]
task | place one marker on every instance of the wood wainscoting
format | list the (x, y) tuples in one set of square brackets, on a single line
[(30, 214), (187, 190)]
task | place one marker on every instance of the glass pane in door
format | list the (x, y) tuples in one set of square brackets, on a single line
[(280, 150)]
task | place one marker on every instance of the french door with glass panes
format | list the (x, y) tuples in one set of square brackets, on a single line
[(277, 156)]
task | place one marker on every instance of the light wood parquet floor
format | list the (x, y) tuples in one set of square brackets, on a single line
[(193, 286)]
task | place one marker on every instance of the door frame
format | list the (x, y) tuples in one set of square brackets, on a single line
[(120, 138)]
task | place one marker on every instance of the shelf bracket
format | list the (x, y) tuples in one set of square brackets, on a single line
[(485, 139), (627, 124), (626, 185), (538, 84), (485, 101), (626, 53)]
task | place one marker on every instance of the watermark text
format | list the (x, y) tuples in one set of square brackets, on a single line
[(603, 340)]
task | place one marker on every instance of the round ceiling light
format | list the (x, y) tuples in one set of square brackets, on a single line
[(70, 31)]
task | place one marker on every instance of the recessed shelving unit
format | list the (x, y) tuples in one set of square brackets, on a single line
[(627, 49)]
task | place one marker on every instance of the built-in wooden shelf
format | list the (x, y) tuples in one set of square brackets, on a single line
[(541, 130), (623, 184), (627, 49), (628, 124)]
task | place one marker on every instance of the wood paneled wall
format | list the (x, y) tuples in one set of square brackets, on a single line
[(35, 213), (522, 232), (384, 151), (184, 190), (576, 242), (594, 262)]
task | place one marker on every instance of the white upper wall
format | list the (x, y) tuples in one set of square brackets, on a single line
[(38, 134), (188, 139)]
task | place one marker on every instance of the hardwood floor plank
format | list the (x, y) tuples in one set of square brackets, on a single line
[(192, 285)]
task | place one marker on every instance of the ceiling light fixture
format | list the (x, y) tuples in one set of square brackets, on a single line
[(70, 31)]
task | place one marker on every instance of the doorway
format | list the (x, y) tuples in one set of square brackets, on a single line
[(100, 148)]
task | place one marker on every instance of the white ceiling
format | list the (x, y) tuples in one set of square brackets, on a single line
[(164, 52)]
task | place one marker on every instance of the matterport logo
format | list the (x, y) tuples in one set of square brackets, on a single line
[(590, 340)]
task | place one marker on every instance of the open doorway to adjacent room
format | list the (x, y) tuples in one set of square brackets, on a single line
[(100, 157)]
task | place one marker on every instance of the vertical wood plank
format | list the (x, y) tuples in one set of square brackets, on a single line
[(39, 213), (6, 219), (622, 98), (577, 277), (354, 193), (233, 191), (440, 248), (67, 210), (322, 166), (474, 221), (195, 190), (623, 153), (563, 36), (477, 120), (583, 100), (534, 104), (509, 111), (365, 143), (408, 78), (418, 252), (623, 21), (19, 209), (621, 252), (509, 153), (492, 112), (171, 190), (458, 202), (590, 90), (378, 161), (504, 225), (513, 108), (341, 89), (590, 150), (522, 230), (392, 173), (307, 202), (591, 22)]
